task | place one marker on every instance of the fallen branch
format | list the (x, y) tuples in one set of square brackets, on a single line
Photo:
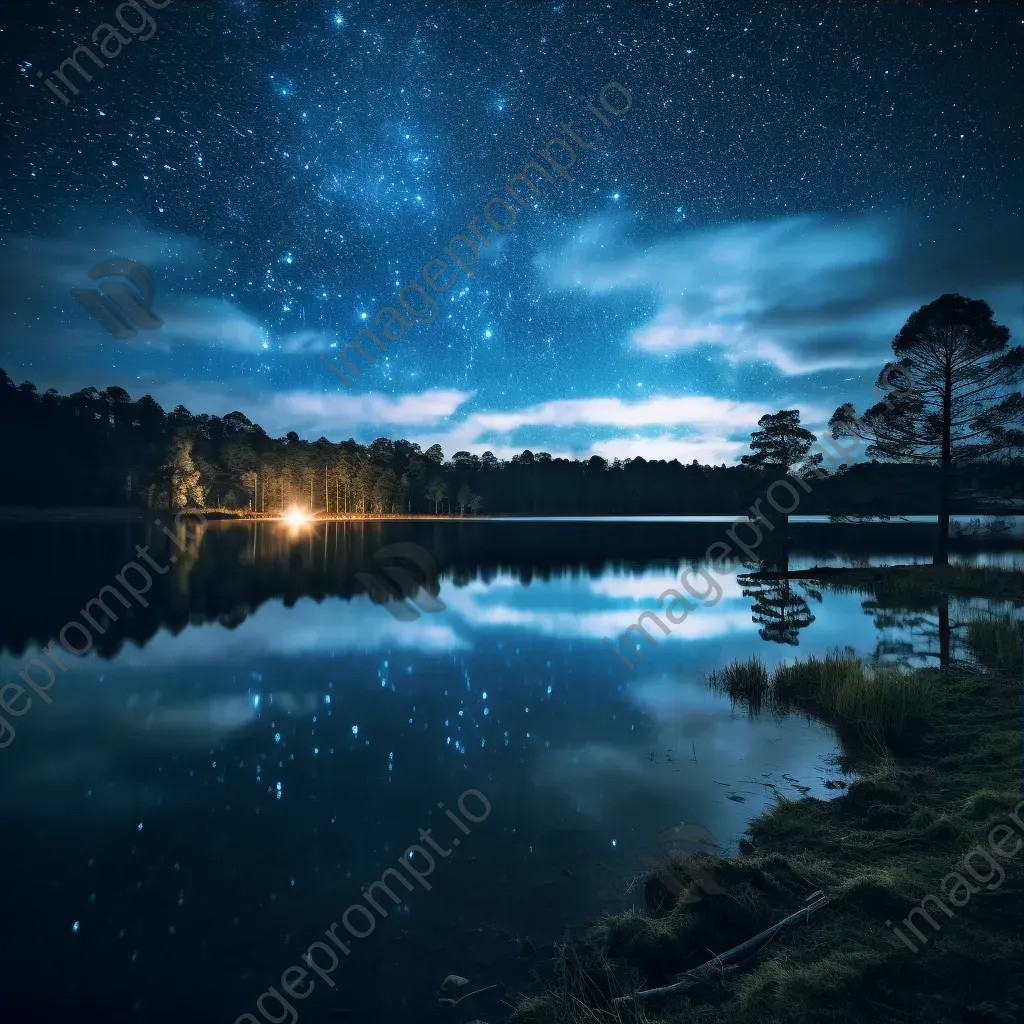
[(688, 979), (455, 1002)]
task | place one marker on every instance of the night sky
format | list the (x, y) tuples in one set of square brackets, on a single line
[(791, 181)]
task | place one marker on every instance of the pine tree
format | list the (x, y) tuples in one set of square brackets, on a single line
[(955, 401), (780, 443)]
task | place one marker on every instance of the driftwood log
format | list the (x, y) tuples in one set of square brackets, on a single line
[(689, 979)]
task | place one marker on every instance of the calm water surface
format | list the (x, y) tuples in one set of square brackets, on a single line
[(216, 780)]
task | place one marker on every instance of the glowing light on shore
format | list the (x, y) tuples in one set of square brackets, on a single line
[(296, 517)]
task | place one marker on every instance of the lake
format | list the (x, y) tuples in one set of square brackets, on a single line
[(216, 779)]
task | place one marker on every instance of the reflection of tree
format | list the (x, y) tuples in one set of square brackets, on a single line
[(225, 571), (919, 608), (780, 609), (976, 529), (927, 630)]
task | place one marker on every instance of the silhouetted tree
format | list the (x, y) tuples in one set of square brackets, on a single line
[(780, 443), (952, 400)]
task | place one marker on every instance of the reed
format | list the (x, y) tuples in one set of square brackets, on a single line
[(997, 642), (873, 700)]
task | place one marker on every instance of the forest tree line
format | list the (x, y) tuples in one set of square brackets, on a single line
[(956, 432)]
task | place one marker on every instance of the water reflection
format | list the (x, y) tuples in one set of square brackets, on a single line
[(215, 781)]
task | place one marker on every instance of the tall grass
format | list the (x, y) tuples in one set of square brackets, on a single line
[(746, 682), (582, 990), (875, 700), (997, 642)]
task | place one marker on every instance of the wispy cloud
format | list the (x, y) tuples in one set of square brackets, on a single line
[(37, 274), (213, 322), (316, 414), (658, 410), (339, 412), (803, 293), (684, 427)]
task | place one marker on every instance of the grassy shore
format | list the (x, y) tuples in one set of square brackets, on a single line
[(938, 755)]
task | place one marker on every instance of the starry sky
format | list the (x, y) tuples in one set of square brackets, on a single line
[(791, 181)]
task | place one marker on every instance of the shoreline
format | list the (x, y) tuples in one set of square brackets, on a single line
[(117, 514), (937, 776)]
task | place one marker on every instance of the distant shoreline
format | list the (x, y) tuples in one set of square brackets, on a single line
[(115, 514)]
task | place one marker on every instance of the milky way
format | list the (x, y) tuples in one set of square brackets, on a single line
[(791, 182)]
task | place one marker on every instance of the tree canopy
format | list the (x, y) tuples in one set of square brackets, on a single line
[(953, 390), (781, 443), (953, 395)]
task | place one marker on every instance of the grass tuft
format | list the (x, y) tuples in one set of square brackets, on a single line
[(877, 701), (581, 990), (745, 682), (997, 642)]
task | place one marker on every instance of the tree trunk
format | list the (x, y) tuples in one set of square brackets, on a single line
[(942, 555), (944, 630)]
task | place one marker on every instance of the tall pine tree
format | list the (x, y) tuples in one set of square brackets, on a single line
[(956, 400)]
